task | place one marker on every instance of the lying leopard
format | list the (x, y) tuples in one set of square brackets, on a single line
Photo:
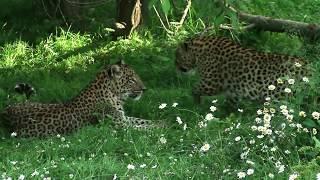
[(103, 97), (225, 66)]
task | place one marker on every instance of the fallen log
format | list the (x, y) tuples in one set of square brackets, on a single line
[(310, 31)]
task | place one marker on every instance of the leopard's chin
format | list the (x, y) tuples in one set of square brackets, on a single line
[(190, 72), (136, 95)]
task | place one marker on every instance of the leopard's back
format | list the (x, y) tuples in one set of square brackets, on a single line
[(226, 66)]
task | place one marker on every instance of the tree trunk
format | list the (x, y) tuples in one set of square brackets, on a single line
[(69, 10), (128, 17)]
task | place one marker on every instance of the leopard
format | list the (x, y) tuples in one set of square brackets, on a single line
[(103, 98), (225, 66)]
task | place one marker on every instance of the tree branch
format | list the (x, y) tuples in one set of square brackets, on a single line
[(305, 30), (163, 25), (185, 12), (229, 27)]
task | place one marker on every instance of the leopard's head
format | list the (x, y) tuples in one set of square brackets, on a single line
[(127, 81), (185, 60)]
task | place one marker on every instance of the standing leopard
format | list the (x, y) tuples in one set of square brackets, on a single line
[(103, 97), (225, 66)]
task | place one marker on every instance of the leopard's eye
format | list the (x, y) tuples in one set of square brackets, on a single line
[(132, 81)]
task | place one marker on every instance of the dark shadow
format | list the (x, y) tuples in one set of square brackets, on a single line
[(30, 21)]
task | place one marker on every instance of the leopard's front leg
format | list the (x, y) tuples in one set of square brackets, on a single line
[(117, 114), (139, 123), (196, 94), (205, 88), (121, 120)]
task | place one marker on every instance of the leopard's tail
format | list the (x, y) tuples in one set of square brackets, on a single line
[(25, 89)]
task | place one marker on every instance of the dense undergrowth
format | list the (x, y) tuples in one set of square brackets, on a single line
[(212, 140)]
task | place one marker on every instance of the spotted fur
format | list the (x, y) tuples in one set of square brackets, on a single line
[(103, 97), (225, 66)]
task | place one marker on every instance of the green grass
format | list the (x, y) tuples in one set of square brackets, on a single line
[(60, 65)]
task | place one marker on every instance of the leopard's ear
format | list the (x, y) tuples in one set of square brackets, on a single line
[(114, 71), (121, 62)]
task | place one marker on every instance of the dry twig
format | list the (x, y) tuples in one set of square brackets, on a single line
[(185, 12), (163, 25)]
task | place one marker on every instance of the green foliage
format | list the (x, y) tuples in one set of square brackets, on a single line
[(166, 6), (316, 141)]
